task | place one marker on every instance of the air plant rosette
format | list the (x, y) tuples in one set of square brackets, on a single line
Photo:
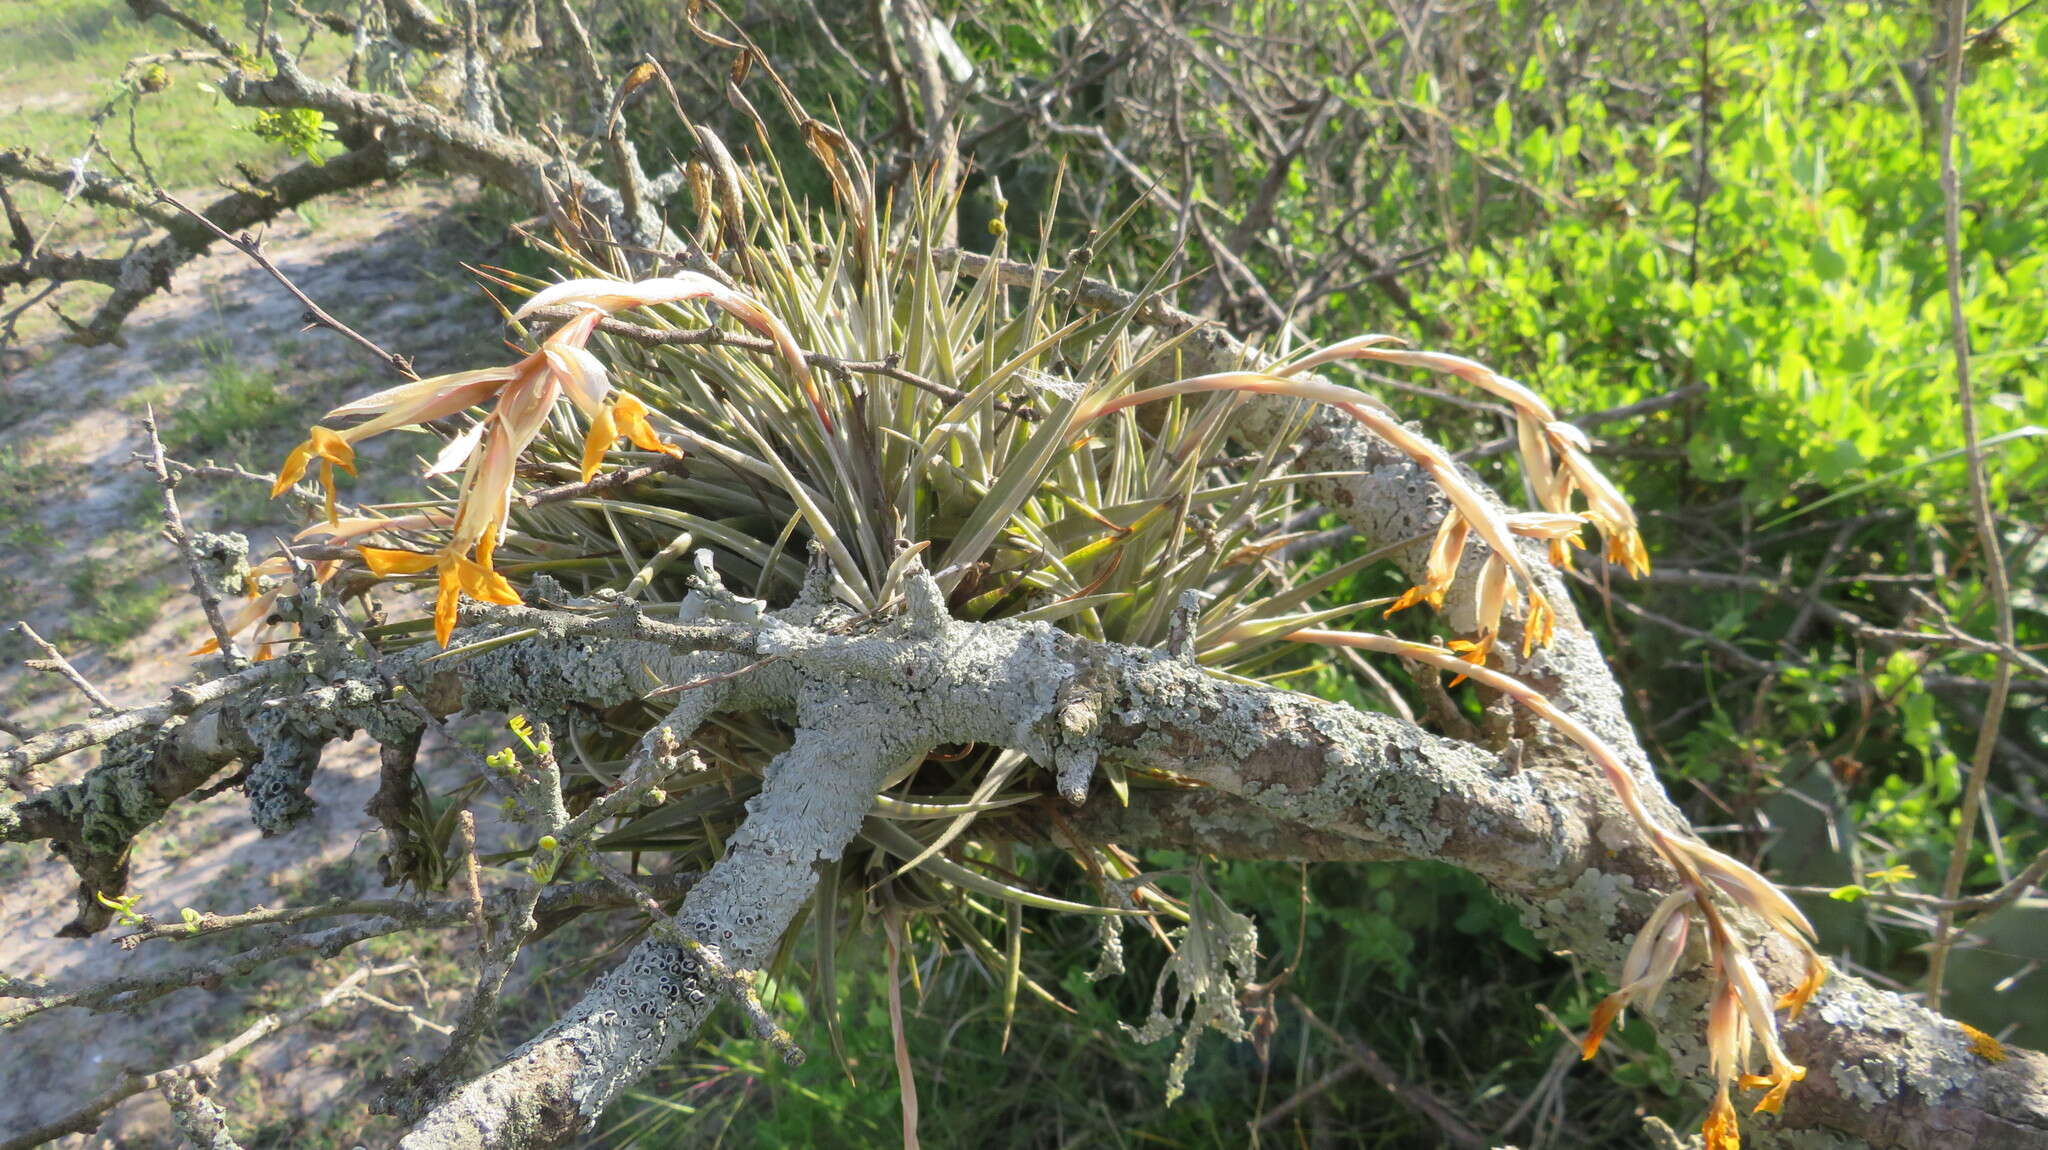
[(870, 403)]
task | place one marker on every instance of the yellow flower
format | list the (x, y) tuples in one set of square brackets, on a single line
[(1554, 527), (457, 576), (626, 416), (1605, 505), (331, 449), (1719, 1131), (1440, 568)]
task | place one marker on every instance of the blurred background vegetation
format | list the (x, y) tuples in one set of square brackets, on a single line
[(1710, 233)]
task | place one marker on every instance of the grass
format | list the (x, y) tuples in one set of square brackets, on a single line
[(113, 608), (61, 62), (232, 405), (27, 481)]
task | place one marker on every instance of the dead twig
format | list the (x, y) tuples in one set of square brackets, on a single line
[(606, 483), (85, 1119), (316, 316), (1980, 510), (1455, 1130), (54, 661), (174, 530), (78, 736), (1964, 910)]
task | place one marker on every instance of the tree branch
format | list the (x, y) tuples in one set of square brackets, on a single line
[(1550, 839)]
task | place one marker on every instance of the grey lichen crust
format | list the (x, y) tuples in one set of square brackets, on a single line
[(870, 696)]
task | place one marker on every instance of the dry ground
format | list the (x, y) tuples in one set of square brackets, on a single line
[(224, 362)]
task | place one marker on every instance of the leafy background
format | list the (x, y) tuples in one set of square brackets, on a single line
[(1720, 219)]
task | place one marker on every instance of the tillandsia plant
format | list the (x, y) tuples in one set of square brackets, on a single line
[(876, 409)]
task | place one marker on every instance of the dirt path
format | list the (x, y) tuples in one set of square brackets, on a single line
[(225, 365)]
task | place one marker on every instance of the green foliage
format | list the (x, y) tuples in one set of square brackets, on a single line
[(1587, 219), (1462, 967), (301, 131), (66, 60), (1580, 195), (1805, 289)]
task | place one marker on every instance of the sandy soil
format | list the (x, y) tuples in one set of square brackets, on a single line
[(388, 263)]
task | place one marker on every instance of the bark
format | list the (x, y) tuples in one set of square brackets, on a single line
[(1549, 838), (1285, 776)]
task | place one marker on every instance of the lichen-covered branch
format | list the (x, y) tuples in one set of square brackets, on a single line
[(812, 800), (1547, 836), (387, 134), (499, 158)]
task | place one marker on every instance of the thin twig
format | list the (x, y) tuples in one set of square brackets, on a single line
[(605, 484), (1306, 1094), (315, 314), (558, 900), (1968, 909), (1980, 510), (56, 662), (1455, 1130), (500, 948), (472, 880), (86, 1118), (215, 471), (183, 701), (198, 1116), (174, 530), (129, 991), (1589, 419)]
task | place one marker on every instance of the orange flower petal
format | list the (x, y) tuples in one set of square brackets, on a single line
[(1603, 1017), (1541, 624), (604, 430), (631, 416), (293, 469), (445, 602), (1793, 1001), (386, 561), (485, 585), (1409, 598), (1719, 1130), (331, 446)]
